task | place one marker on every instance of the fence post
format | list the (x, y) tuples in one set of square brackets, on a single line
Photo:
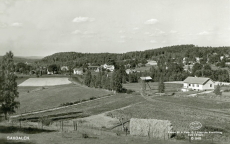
[(122, 124), (60, 125)]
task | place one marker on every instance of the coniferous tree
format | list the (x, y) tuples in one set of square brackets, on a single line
[(217, 91), (8, 86), (88, 78), (117, 81)]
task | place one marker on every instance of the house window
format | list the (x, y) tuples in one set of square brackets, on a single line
[(210, 85)]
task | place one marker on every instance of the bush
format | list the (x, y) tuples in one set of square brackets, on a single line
[(84, 135), (180, 136), (129, 91), (91, 98), (109, 114), (76, 102), (83, 100), (46, 121)]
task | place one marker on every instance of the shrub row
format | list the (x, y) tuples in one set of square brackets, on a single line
[(79, 101)]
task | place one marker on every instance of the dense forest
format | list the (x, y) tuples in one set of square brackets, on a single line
[(177, 52)]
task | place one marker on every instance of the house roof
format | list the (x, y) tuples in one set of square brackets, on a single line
[(146, 78), (196, 80)]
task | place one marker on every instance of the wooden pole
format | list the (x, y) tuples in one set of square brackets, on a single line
[(122, 124)]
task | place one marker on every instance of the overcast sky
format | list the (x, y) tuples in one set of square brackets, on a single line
[(44, 27)]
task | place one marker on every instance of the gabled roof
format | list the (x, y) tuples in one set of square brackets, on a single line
[(196, 80)]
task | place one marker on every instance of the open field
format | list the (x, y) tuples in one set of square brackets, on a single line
[(91, 108), (37, 98), (182, 111), (45, 82)]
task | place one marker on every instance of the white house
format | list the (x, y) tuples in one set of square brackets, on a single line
[(129, 71), (221, 58), (147, 78), (198, 83), (49, 73), (152, 63), (78, 71), (108, 67)]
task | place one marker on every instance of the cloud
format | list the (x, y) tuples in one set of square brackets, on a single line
[(83, 19), (136, 28), (88, 33), (121, 41), (157, 32), (122, 37), (153, 41), (77, 32), (83, 32), (121, 31), (151, 21), (16, 24), (173, 31), (204, 33), (3, 25)]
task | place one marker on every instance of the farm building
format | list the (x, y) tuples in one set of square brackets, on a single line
[(78, 71), (198, 83)]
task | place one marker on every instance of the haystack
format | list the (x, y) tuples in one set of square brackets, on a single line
[(150, 127)]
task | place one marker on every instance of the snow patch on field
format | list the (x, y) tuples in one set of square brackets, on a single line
[(45, 82)]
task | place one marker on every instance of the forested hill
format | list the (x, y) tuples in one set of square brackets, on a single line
[(18, 59), (178, 52)]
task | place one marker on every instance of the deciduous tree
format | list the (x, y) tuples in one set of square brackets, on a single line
[(8, 85)]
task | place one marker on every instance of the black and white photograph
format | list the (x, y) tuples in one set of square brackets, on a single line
[(114, 71)]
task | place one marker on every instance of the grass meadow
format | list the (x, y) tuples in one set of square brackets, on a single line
[(38, 98)]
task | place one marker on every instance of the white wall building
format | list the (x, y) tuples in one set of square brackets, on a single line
[(78, 71), (108, 67), (198, 83)]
